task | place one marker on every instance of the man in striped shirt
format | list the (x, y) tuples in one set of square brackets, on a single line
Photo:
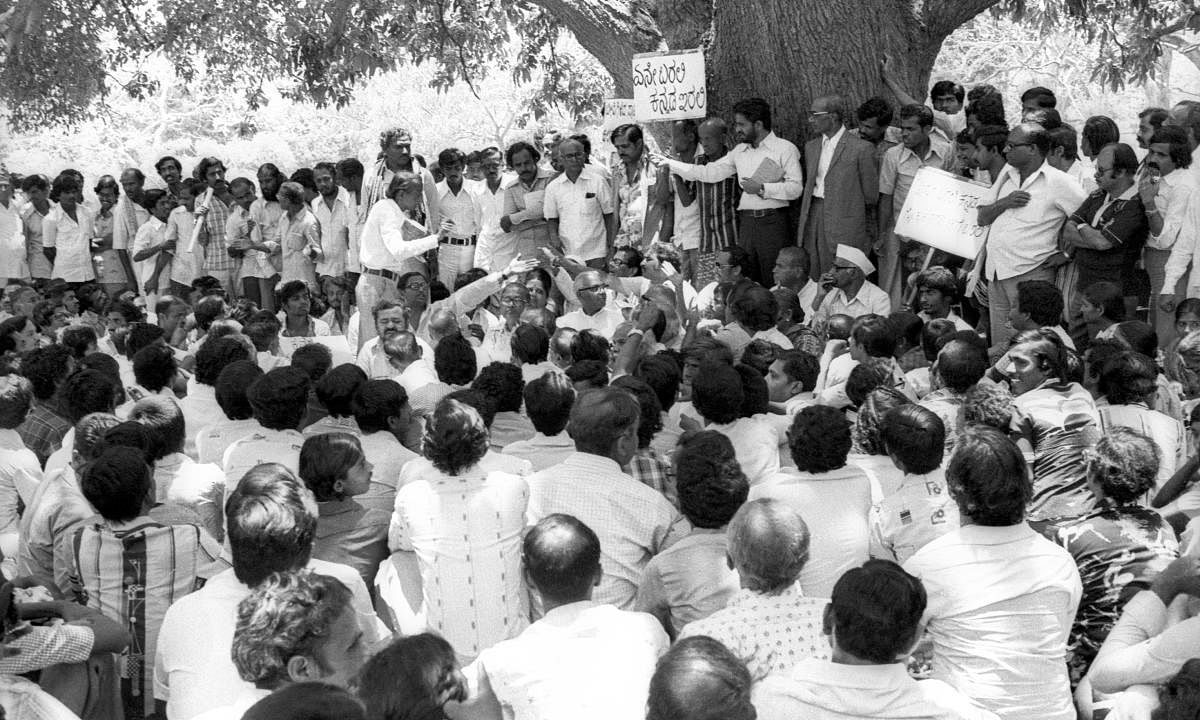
[(718, 203)]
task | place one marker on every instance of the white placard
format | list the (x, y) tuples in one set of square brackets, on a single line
[(338, 347), (940, 211), (669, 85), (617, 112)]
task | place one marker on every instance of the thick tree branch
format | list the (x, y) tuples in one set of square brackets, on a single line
[(942, 17), (613, 31)]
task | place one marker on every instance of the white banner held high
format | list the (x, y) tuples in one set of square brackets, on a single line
[(940, 211), (618, 112), (669, 85)]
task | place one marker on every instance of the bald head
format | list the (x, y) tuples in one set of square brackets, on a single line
[(829, 103), (540, 318), (768, 544), (561, 556), (402, 349), (442, 322)]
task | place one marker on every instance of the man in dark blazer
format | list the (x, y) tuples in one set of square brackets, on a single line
[(841, 187)]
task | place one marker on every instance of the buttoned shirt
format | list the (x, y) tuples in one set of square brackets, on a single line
[(216, 255), (129, 216), (57, 504), (579, 207), (633, 522), (768, 632), (525, 206), (14, 262), (689, 580), (1022, 238), (44, 428), (185, 266), (900, 166), (200, 410), (920, 510), (632, 199), (20, 475), (392, 241), (463, 207), (149, 235), (415, 376), (72, 239), (822, 690), (542, 451), (828, 145), (743, 161), (1178, 204), (466, 530), (335, 225), (836, 506), (869, 300), (39, 264), (179, 480), (387, 457), (352, 534), (261, 445), (604, 321), (1001, 603), (297, 237), (584, 661), (213, 440), (756, 445), (375, 363)]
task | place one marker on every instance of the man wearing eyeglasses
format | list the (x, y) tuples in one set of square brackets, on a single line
[(1026, 208), (594, 313), (579, 209), (841, 189)]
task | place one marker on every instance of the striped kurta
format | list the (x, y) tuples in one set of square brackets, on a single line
[(132, 572)]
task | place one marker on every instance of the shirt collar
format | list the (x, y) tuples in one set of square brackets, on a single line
[(825, 139), (995, 534)]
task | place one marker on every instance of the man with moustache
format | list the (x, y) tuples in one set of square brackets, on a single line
[(213, 214), (524, 201), (459, 202), (171, 172), (350, 177), (396, 156), (1172, 200), (335, 216), (639, 194), (768, 168), (491, 208), (128, 216), (684, 227)]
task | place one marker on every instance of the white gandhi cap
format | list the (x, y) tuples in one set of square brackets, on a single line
[(855, 256)]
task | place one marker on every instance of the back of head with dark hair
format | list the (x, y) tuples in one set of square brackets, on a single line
[(164, 425), (960, 365), (530, 344), (661, 373), (709, 481), (700, 679), (307, 701), (876, 612), (272, 523), (561, 557), (280, 398), (819, 439), (548, 403), (600, 418), (988, 477), (933, 331), (86, 392), (325, 461), (454, 360), (314, 360), (376, 403), (650, 421), (915, 438), (1041, 300), (118, 483), (456, 437), (79, 339), (1128, 378), (45, 368), (411, 678), (154, 367), (756, 396), (230, 388), (590, 345), (216, 355), (876, 335), (717, 392), (503, 384), (337, 388)]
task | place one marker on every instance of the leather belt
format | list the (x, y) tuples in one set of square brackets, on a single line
[(389, 274), (761, 213), (462, 242)]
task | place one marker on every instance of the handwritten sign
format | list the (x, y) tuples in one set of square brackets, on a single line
[(618, 112), (940, 211), (669, 85), (337, 344)]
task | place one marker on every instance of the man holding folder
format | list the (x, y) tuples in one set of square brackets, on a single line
[(768, 169)]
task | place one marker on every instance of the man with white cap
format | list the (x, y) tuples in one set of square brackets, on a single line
[(845, 289)]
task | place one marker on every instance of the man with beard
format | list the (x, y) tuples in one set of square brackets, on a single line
[(333, 212), (842, 187), (488, 254), (768, 168), (266, 214), (212, 210), (579, 209), (396, 156), (1149, 120), (523, 205), (171, 172)]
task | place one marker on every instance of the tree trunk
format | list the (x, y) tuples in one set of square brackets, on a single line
[(791, 51)]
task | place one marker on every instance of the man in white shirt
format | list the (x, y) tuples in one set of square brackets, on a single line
[(200, 407), (1186, 115), (335, 216), (1064, 155), (280, 401), (634, 521), (490, 252), (391, 317), (1171, 197), (872, 620), (792, 272), (383, 414), (14, 262), (845, 290), (579, 209), (718, 396), (548, 402), (1001, 597), (19, 467), (594, 313), (583, 659), (459, 203), (230, 393), (1025, 210), (768, 169), (272, 524)]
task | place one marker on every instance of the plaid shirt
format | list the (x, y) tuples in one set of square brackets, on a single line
[(43, 429), (718, 211), (650, 469), (46, 645), (216, 254)]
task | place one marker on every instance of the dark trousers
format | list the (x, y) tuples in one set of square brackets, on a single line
[(763, 237)]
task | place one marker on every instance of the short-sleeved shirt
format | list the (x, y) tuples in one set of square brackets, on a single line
[(1060, 421), (906, 520), (900, 166), (580, 207), (1121, 221), (689, 580), (1023, 238), (72, 239)]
